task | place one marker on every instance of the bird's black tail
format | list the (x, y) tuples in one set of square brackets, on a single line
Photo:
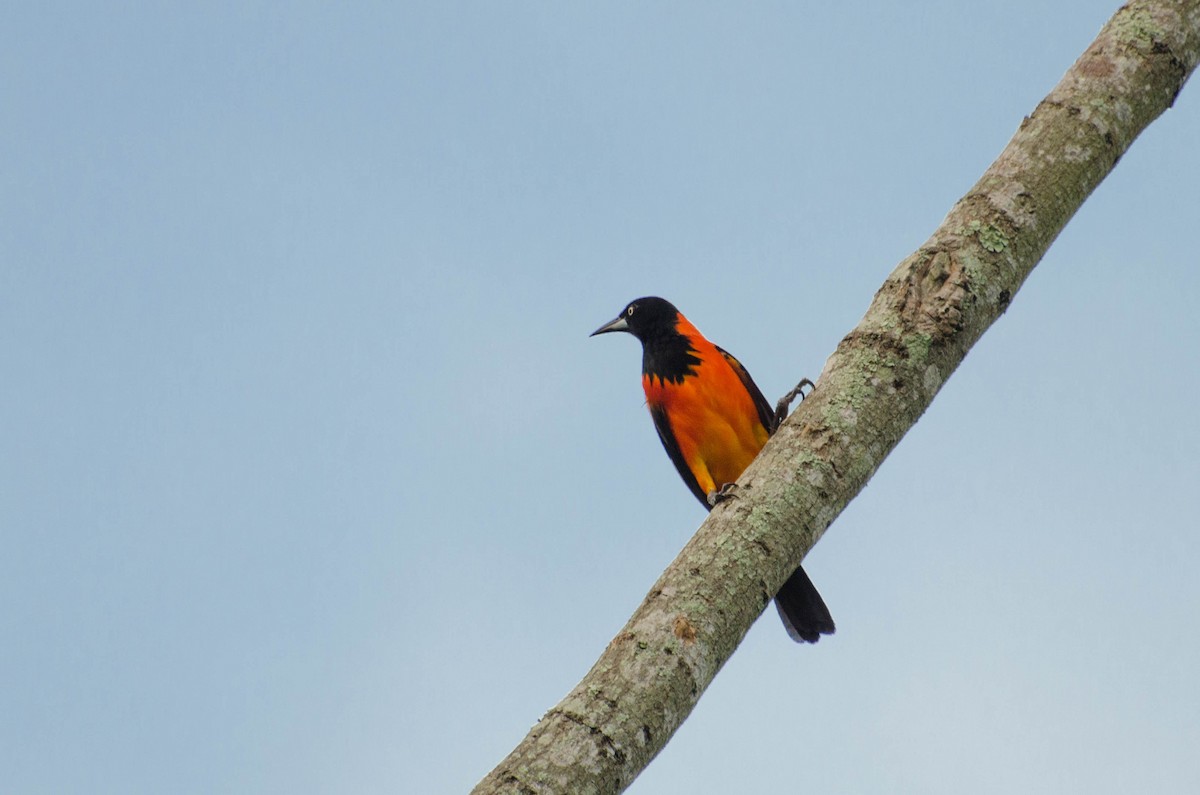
[(804, 614)]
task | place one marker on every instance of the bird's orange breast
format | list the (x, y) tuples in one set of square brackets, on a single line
[(712, 417)]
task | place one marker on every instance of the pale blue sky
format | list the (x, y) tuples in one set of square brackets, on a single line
[(314, 483)]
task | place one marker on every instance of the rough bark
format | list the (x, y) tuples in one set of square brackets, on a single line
[(883, 375)]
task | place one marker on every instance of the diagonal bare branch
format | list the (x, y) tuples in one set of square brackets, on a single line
[(882, 377)]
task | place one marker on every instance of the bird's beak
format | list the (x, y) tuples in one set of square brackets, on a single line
[(620, 324)]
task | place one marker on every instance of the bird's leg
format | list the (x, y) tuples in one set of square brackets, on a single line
[(785, 402), (726, 492)]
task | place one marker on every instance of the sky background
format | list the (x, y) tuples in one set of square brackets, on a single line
[(311, 480)]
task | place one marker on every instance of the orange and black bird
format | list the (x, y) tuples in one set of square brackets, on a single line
[(712, 419)]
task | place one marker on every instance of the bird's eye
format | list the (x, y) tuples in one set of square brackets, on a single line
[(629, 311)]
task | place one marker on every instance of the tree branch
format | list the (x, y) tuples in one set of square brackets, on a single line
[(882, 377)]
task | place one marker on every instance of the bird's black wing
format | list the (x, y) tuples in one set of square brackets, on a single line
[(662, 424)]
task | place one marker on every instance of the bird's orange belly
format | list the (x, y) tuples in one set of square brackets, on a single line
[(718, 438)]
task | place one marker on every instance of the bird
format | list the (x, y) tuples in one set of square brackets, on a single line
[(712, 420)]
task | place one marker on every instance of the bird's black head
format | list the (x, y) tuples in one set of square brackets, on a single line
[(644, 318), (667, 354)]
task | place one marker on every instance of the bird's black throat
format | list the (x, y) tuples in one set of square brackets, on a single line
[(668, 356)]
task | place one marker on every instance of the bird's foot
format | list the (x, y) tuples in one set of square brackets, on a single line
[(726, 492), (785, 402)]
